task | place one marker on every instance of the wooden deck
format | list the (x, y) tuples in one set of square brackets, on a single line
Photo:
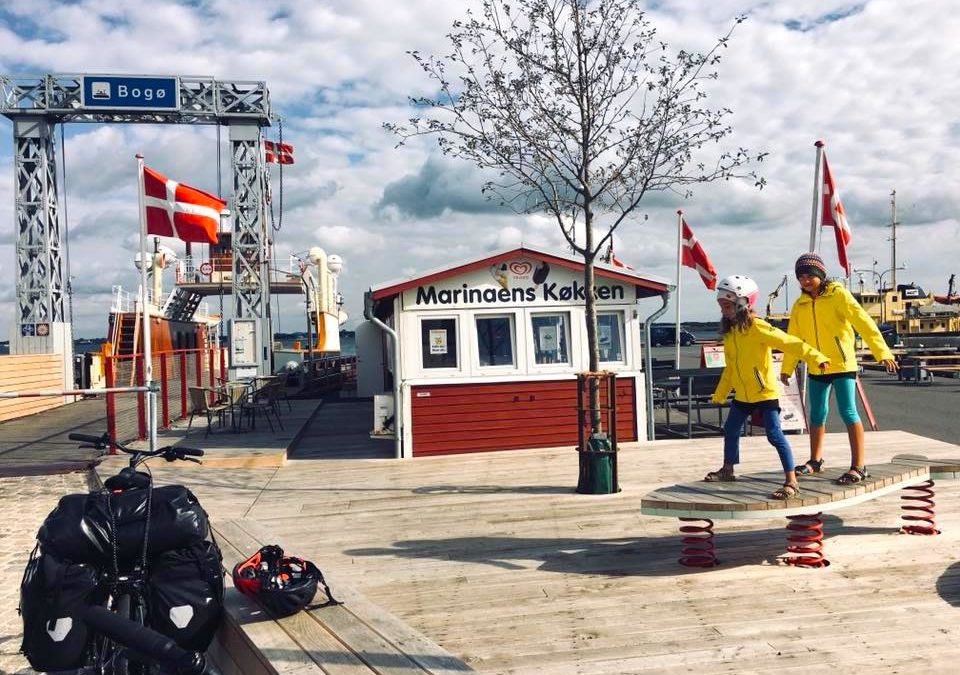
[(494, 558), (38, 443)]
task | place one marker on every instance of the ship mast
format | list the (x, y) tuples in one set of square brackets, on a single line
[(893, 239)]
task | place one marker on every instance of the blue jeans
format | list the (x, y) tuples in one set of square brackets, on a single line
[(733, 428)]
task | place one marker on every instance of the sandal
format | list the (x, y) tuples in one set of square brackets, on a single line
[(721, 475), (811, 466), (787, 491), (853, 476)]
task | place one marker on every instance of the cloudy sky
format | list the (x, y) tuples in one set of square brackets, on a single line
[(876, 80)]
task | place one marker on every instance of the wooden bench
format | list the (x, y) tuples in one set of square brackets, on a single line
[(748, 497), (352, 638)]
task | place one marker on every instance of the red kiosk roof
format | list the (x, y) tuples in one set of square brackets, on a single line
[(646, 286)]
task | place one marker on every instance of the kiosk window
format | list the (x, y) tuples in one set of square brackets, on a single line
[(610, 336), (551, 337), (438, 338), (495, 340)]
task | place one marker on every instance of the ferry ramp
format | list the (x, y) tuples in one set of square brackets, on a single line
[(38, 444)]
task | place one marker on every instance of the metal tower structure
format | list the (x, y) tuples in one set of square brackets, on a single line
[(37, 104)]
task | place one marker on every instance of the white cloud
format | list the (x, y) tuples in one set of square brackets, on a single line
[(869, 78)]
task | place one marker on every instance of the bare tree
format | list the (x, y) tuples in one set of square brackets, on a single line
[(581, 111)]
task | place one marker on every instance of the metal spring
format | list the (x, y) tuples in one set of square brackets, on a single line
[(805, 541), (697, 543), (919, 509)]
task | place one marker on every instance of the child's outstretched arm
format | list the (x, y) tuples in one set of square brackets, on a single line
[(791, 346)]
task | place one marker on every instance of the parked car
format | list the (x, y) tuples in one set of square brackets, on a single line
[(661, 336)]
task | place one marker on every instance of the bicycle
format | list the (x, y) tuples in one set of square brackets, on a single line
[(115, 634)]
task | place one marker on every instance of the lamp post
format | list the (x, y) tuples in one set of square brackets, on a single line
[(883, 298)]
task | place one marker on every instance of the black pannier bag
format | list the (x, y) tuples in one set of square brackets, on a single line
[(81, 526), (186, 594), (52, 591)]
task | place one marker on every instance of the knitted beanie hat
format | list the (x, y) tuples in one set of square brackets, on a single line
[(811, 263)]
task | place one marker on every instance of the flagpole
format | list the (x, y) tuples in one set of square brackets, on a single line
[(817, 198), (679, 256), (151, 398)]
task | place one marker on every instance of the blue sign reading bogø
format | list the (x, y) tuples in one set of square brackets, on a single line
[(123, 92)]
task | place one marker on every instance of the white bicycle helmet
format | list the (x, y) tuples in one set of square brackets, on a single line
[(740, 290)]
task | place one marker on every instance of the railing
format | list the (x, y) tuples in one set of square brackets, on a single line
[(219, 269), (173, 372), (124, 301), (329, 373)]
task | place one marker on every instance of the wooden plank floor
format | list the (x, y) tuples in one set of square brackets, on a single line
[(496, 559), (38, 443)]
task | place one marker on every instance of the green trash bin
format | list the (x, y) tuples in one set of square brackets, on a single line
[(597, 467)]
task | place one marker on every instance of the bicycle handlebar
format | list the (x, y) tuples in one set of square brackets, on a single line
[(146, 641), (168, 452)]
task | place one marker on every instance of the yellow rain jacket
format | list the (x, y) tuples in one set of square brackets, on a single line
[(828, 323), (749, 369)]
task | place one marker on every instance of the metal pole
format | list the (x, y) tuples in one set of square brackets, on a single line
[(893, 239), (70, 392), (648, 365), (679, 257), (147, 353), (817, 191), (398, 429)]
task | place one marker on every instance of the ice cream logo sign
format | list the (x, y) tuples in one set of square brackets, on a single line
[(518, 281), (519, 272)]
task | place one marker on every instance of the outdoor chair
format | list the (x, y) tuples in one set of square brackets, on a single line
[(263, 400), (281, 394), (234, 395), (200, 406)]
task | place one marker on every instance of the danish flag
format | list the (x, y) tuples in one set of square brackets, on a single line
[(693, 255), (834, 216), (280, 153), (177, 210)]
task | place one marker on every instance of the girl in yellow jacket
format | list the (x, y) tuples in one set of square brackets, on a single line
[(749, 372), (826, 316)]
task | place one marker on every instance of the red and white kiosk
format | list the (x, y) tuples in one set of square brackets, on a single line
[(485, 353)]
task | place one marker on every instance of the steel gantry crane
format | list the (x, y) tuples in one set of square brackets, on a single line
[(37, 104)]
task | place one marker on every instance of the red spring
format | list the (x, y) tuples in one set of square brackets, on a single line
[(697, 543), (805, 541), (919, 509)]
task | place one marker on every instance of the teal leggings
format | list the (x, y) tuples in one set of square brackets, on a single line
[(818, 397)]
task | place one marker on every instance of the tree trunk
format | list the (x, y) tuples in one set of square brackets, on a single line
[(591, 319)]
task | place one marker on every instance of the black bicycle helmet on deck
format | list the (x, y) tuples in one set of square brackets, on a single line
[(282, 584)]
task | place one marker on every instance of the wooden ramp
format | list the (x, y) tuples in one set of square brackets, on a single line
[(38, 443)]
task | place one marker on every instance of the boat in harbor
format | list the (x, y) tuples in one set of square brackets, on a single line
[(908, 310)]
